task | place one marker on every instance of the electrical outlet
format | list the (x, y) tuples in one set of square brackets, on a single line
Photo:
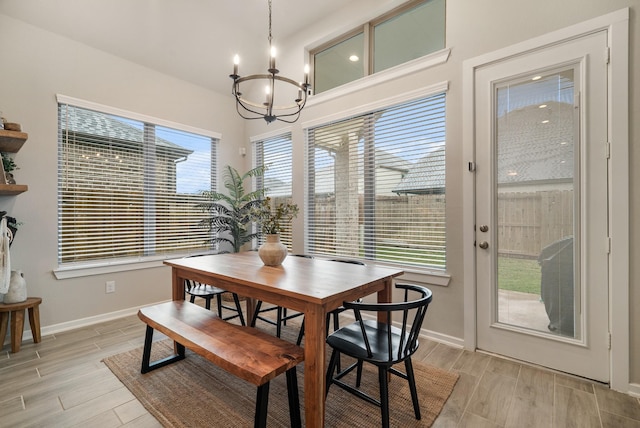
[(110, 287)]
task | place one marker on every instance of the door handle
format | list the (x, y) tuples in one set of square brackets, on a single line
[(484, 245)]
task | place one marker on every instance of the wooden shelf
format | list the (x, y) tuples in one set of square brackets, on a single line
[(12, 141), (12, 189)]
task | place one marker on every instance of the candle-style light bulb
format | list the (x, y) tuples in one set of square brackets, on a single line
[(306, 74), (236, 62), (267, 91), (272, 59)]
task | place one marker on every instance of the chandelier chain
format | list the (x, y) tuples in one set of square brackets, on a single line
[(270, 37)]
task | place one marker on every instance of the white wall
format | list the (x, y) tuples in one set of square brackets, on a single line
[(35, 66)]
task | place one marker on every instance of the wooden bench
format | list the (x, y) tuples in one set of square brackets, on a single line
[(245, 352), (17, 321)]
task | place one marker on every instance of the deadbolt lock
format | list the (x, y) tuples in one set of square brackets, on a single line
[(484, 228)]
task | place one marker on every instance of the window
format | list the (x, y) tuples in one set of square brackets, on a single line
[(275, 152), (376, 185), (127, 189), (404, 34)]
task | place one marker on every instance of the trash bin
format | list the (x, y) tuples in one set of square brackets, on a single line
[(556, 285)]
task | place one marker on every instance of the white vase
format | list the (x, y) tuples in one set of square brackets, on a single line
[(272, 252), (17, 288)]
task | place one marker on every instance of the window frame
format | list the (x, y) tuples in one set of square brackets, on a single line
[(367, 29), (433, 276), (94, 267)]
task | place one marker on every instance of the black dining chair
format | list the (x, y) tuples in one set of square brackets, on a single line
[(209, 292), (370, 341), (281, 312)]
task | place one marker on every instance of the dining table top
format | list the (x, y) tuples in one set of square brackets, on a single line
[(300, 279)]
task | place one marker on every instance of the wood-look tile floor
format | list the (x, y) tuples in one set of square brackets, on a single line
[(61, 382)]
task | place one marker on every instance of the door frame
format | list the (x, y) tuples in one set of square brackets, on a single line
[(617, 26)]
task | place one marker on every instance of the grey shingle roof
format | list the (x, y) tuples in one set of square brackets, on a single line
[(426, 175), (96, 124), (531, 151)]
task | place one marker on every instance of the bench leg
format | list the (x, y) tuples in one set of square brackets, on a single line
[(294, 401), (262, 402), (146, 354)]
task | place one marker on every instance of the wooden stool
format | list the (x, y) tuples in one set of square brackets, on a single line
[(17, 321)]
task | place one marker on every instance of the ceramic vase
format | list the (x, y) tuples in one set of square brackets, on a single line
[(272, 252), (17, 288)]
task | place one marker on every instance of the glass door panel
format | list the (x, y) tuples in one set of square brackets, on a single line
[(537, 178)]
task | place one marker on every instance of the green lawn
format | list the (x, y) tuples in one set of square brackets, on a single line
[(519, 275)]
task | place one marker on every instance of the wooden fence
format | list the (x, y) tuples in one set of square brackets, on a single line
[(526, 221)]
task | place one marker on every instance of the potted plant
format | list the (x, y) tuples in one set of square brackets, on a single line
[(231, 215), (271, 221), (8, 165)]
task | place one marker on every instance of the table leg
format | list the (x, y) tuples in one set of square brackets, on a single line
[(250, 308), (177, 285), (385, 296), (17, 328), (314, 366)]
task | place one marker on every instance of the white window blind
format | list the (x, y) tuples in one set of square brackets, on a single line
[(275, 153), (128, 189), (377, 185)]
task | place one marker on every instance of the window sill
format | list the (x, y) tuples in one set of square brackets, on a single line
[(419, 64), (441, 279), (422, 276), (100, 268), (79, 271)]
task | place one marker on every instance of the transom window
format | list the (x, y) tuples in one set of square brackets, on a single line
[(404, 34), (128, 189), (376, 185)]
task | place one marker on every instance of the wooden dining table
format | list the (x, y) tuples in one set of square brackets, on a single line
[(312, 286)]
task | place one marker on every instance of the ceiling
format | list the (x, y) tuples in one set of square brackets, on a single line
[(193, 40)]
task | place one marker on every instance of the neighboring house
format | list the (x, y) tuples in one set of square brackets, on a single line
[(99, 137), (426, 176), (390, 170)]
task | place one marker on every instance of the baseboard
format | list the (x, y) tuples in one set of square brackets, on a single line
[(634, 389), (456, 342), (79, 323)]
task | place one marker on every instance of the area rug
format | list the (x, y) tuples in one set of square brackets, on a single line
[(195, 393)]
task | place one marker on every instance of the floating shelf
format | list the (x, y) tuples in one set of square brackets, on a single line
[(12, 141), (12, 189)]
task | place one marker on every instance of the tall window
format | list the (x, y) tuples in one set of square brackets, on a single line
[(275, 153), (127, 189), (404, 34), (376, 185)]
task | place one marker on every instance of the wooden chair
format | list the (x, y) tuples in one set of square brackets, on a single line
[(281, 312), (208, 292), (368, 340)]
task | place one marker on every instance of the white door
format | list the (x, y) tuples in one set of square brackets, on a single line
[(541, 207)]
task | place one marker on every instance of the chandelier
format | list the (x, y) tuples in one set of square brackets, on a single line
[(294, 93)]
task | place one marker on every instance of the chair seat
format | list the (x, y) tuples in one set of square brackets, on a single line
[(203, 290), (350, 341)]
